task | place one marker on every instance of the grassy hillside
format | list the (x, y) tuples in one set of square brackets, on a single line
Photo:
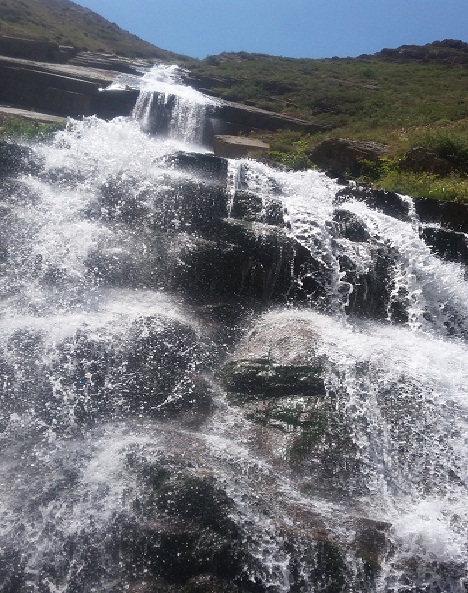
[(404, 97), (360, 95), (70, 24)]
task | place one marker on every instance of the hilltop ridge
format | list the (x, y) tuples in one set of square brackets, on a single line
[(68, 23)]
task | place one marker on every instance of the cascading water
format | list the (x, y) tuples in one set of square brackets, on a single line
[(126, 281), (179, 107)]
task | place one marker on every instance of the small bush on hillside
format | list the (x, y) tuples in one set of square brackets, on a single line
[(448, 145)]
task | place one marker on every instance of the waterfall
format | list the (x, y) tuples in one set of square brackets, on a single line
[(178, 110), (216, 375)]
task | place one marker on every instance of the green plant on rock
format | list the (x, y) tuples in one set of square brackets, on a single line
[(292, 155), (426, 185), (14, 128)]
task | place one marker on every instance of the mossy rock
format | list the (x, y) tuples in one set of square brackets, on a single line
[(259, 379), (287, 414)]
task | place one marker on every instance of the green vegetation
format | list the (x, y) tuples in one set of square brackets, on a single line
[(357, 96), (15, 128), (392, 173), (405, 97), (425, 185), (413, 96), (68, 23)]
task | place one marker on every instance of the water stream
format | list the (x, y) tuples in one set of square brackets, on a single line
[(99, 338)]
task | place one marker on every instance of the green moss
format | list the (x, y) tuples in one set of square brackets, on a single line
[(260, 378), (15, 128)]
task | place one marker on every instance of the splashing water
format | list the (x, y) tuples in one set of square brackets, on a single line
[(162, 89), (96, 339)]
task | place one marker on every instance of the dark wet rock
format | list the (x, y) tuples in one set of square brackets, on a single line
[(263, 264), (193, 206), (260, 261), (372, 290), (174, 205), (207, 167), (120, 200), (350, 226), (160, 352), (7, 390), (225, 259), (15, 159), (450, 215), (262, 379), (273, 213), (159, 118), (447, 244), (371, 542), (83, 366), (110, 103), (387, 202), (183, 535), (12, 570), (63, 176), (152, 370), (330, 571), (251, 207), (340, 156), (3, 251), (16, 193), (25, 386), (246, 206)]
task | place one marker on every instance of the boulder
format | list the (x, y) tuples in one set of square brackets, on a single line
[(447, 244), (264, 265), (372, 293), (390, 203), (183, 535), (235, 147), (450, 215), (277, 377), (154, 369), (204, 166), (176, 204), (422, 160), (24, 380), (251, 207), (343, 157), (350, 226)]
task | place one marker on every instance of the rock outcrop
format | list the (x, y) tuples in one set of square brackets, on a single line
[(421, 160), (342, 157), (39, 50), (236, 117), (62, 89), (234, 147)]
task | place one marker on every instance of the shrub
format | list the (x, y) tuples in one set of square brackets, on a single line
[(448, 145)]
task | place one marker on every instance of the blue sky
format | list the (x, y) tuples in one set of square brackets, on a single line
[(294, 28)]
